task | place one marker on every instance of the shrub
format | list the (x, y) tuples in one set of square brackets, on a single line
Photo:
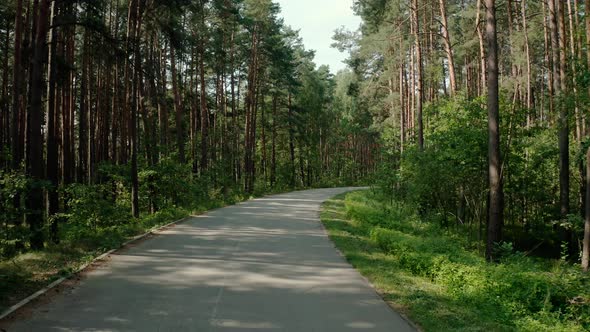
[(520, 292)]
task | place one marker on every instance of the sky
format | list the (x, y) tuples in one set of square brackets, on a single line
[(317, 20)]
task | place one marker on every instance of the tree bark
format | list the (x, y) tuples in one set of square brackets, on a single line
[(250, 105), (529, 93), (178, 108), (83, 114), (482, 53), (132, 49), (162, 106), (586, 241), (558, 49), (52, 172), (496, 204), (420, 79), (273, 158), (448, 47), (587, 5), (402, 110), (16, 85), (5, 104), (34, 139), (204, 110), (577, 113), (67, 117), (291, 143)]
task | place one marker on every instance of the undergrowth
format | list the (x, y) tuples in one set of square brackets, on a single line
[(444, 284), (94, 226)]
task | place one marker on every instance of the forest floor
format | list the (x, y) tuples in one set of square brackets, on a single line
[(263, 264), (442, 283)]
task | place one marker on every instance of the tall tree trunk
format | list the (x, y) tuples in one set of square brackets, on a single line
[(162, 106), (67, 154), (83, 113), (178, 108), (5, 104), (514, 68), (587, 6), (419, 74), (496, 204), (482, 53), (273, 158), (292, 142), (548, 58), (16, 85), (448, 47), (132, 49), (586, 241), (234, 111), (402, 110), (34, 139), (249, 144), (558, 49), (263, 141), (115, 104), (574, 70), (204, 110), (195, 109), (529, 92), (52, 173), (136, 108)]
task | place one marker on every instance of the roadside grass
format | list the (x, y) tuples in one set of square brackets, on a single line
[(24, 274), (438, 282)]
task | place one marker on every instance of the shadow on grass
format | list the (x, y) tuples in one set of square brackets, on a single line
[(26, 273), (420, 298)]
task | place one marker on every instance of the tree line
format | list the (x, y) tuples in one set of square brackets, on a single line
[(482, 109), (124, 104)]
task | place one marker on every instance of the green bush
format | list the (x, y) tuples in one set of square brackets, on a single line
[(521, 293), (94, 207), (11, 231), (447, 180)]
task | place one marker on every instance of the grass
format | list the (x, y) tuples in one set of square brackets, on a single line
[(26, 273), (441, 284)]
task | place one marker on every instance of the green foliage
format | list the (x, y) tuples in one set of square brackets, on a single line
[(448, 179), (96, 220), (169, 184), (12, 232), (449, 287), (93, 206), (453, 160)]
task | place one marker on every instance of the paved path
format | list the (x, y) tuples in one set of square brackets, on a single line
[(263, 265)]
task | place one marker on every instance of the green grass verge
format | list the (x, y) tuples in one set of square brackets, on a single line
[(24, 274), (441, 284)]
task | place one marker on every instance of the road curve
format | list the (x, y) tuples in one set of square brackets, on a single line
[(263, 265)]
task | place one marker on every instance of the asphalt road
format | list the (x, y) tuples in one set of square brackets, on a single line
[(263, 265)]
